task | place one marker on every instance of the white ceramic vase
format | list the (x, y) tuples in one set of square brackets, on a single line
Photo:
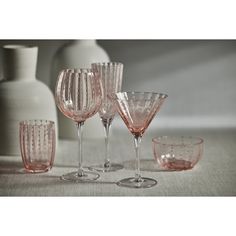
[(78, 54), (22, 96)]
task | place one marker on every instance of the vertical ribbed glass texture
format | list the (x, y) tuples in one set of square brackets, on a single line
[(37, 144), (111, 74), (78, 93)]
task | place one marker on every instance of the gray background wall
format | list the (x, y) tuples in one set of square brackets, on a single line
[(199, 76)]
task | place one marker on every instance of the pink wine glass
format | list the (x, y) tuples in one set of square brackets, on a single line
[(111, 74), (78, 95), (137, 110)]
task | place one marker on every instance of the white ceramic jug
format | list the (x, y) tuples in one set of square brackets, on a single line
[(22, 96), (78, 54)]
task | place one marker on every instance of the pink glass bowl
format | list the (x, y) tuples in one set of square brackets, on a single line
[(177, 153), (37, 145)]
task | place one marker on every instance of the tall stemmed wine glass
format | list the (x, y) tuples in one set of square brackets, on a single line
[(78, 95), (137, 110), (111, 74)]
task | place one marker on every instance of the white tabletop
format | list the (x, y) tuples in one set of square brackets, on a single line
[(214, 175)]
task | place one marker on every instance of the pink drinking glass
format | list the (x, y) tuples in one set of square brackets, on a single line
[(177, 152), (137, 109), (111, 74), (37, 145), (78, 95)]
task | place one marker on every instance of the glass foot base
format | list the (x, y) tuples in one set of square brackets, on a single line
[(102, 168), (86, 177), (36, 171), (133, 183)]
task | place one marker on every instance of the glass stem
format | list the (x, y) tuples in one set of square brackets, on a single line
[(137, 141), (80, 132), (107, 162)]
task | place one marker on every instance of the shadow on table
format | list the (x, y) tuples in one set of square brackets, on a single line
[(69, 182), (10, 167), (145, 165)]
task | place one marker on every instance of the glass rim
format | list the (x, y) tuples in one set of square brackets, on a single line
[(77, 71), (163, 95), (107, 63), (159, 140), (34, 122)]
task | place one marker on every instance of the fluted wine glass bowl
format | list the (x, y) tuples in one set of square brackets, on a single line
[(137, 109), (177, 153), (78, 96), (111, 74)]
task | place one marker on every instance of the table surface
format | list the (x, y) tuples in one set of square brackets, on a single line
[(214, 175)]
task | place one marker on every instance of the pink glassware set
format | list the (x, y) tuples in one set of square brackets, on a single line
[(80, 94)]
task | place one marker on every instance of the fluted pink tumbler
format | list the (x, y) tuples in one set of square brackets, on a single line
[(37, 145)]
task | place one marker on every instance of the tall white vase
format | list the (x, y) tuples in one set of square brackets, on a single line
[(78, 54), (22, 96)]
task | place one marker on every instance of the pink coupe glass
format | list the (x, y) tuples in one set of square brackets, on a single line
[(78, 95), (111, 74), (177, 152), (137, 109)]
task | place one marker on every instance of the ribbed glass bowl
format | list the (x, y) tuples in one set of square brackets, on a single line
[(177, 152)]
